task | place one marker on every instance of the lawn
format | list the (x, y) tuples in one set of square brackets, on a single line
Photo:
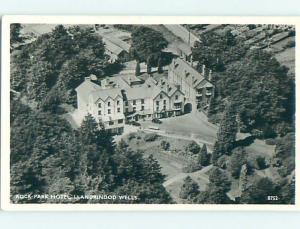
[(192, 126), (287, 58), (171, 161)]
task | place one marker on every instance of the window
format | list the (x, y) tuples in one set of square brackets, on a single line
[(149, 115), (157, 108), (120, 121), (165, 101), (134, 102), (157, 103), (108, 104), (176, 97), (161, 96), (126, 110), (119, 109), (109, 111), (110, 123), (134, 109), (142, 108), (143, 101), (126, 103), (99, 112), (165, 107), (118, 102), (99, 105)]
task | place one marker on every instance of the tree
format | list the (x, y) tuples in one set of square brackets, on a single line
[(264, 90), (237, 160), (259, 191), (193, 147), (149, 65), (159, 66), (215, 50), (137, 69), (146, 41), (203, 157), (165, 145), (15, 36), (226, 134), (219, 178), (189, 189)]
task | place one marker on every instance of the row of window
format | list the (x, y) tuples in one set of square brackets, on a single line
[(120, 121), (134, 102), (108, 104), (109, 111)]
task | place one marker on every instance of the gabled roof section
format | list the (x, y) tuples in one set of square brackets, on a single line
[(188, 73), (203, 83), (85, 88), (112, 47), (104, 94), (125, 46)]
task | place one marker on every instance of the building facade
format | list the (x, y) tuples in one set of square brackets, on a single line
[(196, 88), (123, 99)]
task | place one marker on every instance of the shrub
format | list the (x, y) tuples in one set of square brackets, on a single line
[(150, 137), (191, 167), (193, 147), (292, 33), (261, 162), (189, 189), (222, 162), (290, 44), (165, 145)]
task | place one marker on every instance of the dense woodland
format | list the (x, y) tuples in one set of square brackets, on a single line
[(254, 94), (47, 155)]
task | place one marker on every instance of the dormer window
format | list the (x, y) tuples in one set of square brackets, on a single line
[(108, 104), (161, 96), (99, 105), (118, 102)]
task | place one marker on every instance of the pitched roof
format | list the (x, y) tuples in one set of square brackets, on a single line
[(185, 49), (103, 94), (85, 88), (183, 33), (125, 46), (182, 68), (113, 48), (143, 91)]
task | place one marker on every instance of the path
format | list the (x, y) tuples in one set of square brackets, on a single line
[(180, 176)]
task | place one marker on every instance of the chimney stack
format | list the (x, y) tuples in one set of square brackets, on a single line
[(203, 69), (210, 75)]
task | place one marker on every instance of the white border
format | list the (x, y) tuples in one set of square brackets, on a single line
[(5, 108)]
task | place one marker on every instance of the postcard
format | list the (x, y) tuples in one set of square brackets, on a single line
[(149, 113)]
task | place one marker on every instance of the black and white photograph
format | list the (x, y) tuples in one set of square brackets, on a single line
[(150, 114)]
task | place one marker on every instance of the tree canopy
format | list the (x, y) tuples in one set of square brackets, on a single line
[(146, 42)]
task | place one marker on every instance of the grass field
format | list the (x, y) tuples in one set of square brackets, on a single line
[(287, 58)]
